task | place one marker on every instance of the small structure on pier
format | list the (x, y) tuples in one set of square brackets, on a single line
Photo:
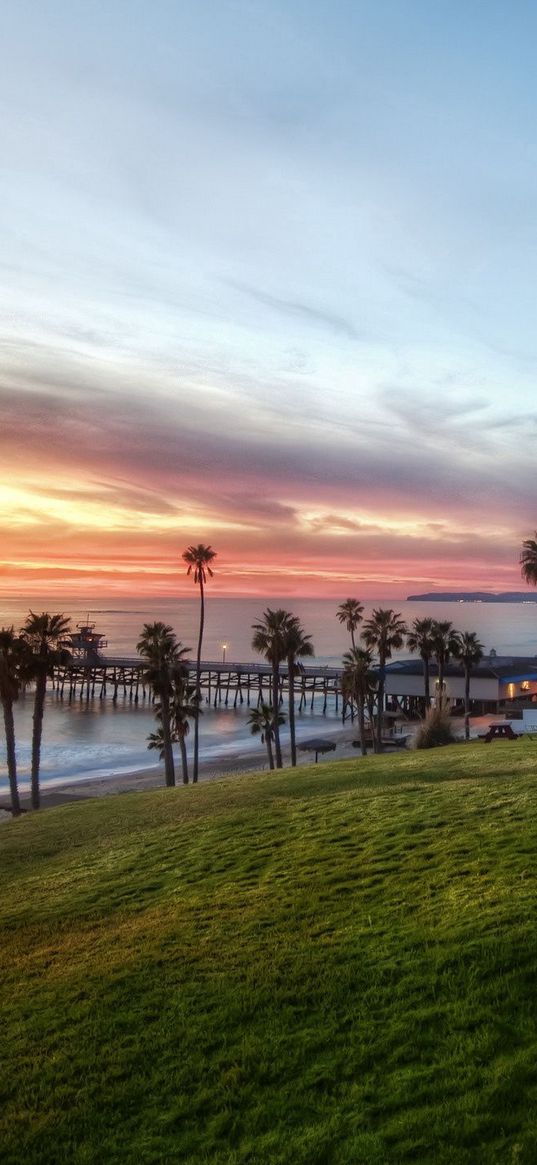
[(86, 644)]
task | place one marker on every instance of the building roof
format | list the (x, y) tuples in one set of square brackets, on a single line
[(514, 667), (508, 669)]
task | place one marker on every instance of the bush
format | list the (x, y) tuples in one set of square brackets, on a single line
[(436, 729)]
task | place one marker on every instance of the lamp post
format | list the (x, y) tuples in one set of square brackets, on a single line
[(224, 649)]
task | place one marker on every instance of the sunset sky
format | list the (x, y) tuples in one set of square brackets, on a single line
[(268, 282)]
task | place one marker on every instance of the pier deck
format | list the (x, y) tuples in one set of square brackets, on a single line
[(221, 683)]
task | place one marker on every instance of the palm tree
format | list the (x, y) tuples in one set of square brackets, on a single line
[(383, 633), (165, 659), (262, 720), (12, 669), (180, 715), (184, 708), (359, 685), (198, 559), (156, 740), (46, 637), (445, 641), (420, 639), (269, 640), (351, 614), (296, 645), (528, 560), (470, 653)]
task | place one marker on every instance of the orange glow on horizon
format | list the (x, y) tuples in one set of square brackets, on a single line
[(234, 580), (67, 536)]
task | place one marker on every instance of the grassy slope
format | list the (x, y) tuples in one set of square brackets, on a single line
[(337, 965)]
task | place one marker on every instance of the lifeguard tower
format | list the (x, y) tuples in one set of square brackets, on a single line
[(86, 643)]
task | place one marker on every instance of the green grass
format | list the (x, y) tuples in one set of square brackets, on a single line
[(336, 965)]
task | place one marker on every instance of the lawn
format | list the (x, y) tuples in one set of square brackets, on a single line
[(336, 965)]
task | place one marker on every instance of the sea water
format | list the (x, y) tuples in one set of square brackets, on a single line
[(98, 738)]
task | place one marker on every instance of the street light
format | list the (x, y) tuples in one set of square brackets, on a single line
[(224, 649)]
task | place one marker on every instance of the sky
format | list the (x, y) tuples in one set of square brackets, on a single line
[(268, 282)]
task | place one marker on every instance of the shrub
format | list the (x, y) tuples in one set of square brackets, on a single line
[(436, 729)]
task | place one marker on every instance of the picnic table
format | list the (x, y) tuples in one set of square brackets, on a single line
[(501, 730)]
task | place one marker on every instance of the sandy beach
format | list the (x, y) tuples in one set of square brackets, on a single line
[(252, 761), (152, 777)]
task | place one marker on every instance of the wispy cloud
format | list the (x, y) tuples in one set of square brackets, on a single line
[(296, 309)]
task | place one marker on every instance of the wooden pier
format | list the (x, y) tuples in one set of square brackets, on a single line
[(221, 683)]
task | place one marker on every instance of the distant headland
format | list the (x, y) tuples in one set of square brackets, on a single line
[(474, 597)]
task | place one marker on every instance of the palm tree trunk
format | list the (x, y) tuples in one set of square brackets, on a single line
[(268, 743), (169, 767), (276, 711), (291, 683), (9, 725), (380, 705), (467, 704), (198, 687), (361, 722), (37, 733), (184, 759), (371, 715), (426, 681)]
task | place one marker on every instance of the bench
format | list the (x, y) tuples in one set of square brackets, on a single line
[(501, 731)]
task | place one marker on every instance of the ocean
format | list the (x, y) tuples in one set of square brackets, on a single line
[(84, 740)]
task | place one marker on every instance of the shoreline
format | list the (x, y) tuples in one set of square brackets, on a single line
[(152, 777)]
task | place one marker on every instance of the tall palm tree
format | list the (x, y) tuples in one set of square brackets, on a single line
[(445, 642), (198, 559), (420, 639), (470, 653), (296, 645), (262, 720), (269, 640), (165, 662), (383, 633), (46, 637), (528, 560), (359, 685), (12, 670), (351, 614)]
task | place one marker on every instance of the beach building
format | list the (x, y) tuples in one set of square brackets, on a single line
[(499, 681)]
